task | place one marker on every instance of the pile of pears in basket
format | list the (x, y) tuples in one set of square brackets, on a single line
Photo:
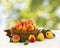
[(26, 31)]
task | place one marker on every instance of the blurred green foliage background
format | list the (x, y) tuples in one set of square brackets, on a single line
[(45, 13)]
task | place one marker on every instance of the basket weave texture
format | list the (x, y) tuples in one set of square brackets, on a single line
[(24, 35)]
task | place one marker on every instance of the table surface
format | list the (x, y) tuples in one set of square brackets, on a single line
[(47, 43)]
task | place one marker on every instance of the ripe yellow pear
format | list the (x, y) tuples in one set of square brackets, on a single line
[(40, 37), (31, 38), (49, 35), (15, 38)]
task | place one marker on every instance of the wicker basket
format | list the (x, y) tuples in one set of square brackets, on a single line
[(24, 35)]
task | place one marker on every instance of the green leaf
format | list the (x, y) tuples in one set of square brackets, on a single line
[(11, 40), (26, 43)]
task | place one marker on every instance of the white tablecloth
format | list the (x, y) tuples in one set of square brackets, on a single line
[(47, 43)]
